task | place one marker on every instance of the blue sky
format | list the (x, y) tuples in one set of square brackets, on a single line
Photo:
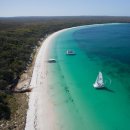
[(64, 7)]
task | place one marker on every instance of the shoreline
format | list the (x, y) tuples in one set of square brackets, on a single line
[(39, 110)]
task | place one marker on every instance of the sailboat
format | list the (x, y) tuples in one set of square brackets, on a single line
[(99, 81)]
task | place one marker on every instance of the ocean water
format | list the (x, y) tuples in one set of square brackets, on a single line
[(78, 105)]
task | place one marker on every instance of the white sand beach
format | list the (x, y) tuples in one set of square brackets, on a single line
[(40, 114)]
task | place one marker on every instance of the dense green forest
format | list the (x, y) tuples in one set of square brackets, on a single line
[(19, 37)]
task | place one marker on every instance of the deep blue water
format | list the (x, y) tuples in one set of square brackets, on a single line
[(111, 41)]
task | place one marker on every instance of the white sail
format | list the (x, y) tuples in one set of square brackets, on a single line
[(99, 81)]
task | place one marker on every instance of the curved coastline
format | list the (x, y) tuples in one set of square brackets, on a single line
[(36, 115), (39, 110)]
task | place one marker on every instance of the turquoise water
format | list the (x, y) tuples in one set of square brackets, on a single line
[(77, 104)]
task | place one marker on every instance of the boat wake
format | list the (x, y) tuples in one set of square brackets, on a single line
[(108, 81)]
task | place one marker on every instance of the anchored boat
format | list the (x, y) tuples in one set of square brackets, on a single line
[(99, 81), (51, 61)]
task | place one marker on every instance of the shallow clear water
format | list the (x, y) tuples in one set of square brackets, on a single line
[(78, 105)]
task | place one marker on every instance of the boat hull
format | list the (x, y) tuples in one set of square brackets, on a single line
[(98, 86)]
